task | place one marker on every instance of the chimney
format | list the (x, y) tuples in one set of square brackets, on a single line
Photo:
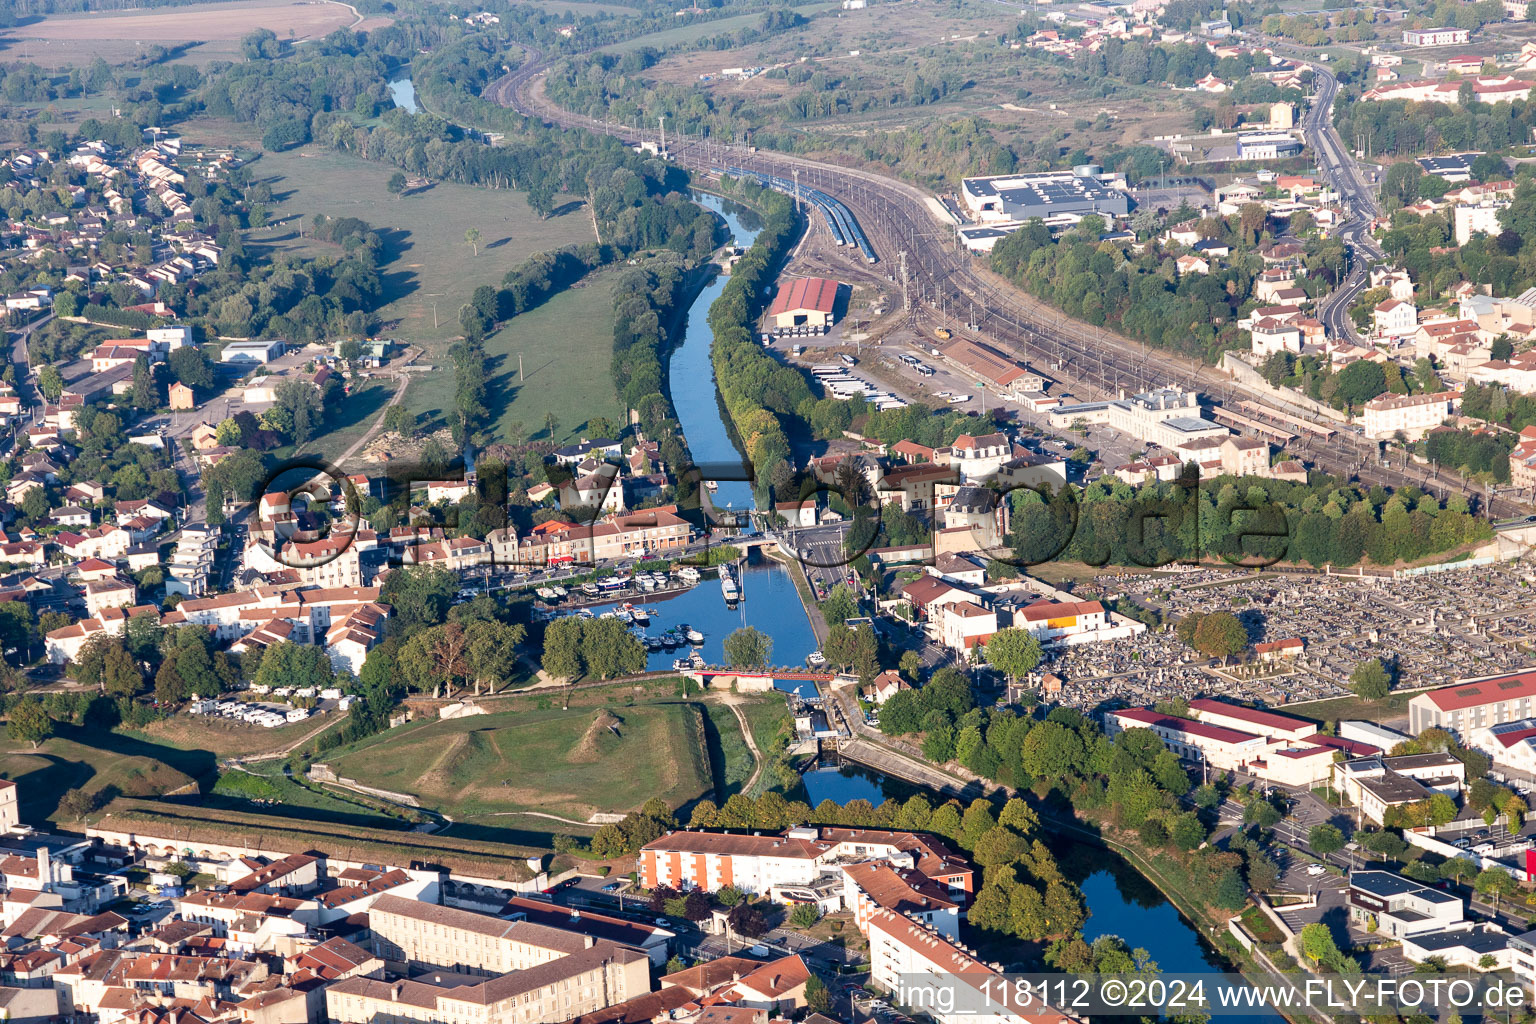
[(394, 991), (44, 868)]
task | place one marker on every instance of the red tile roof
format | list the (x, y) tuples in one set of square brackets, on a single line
[(816, 293)]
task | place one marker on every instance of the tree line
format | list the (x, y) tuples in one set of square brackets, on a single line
[(1322, 522), (756, 388)]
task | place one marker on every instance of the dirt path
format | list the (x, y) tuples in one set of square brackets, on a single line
[(357, 17), (290, 748), (733, 701), (536, 814), (368, 435)]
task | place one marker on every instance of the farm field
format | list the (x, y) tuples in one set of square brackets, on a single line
[(567, 350), (209, 31), (569, 763)]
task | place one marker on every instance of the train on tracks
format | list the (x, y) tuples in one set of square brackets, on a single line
[(844, 226)]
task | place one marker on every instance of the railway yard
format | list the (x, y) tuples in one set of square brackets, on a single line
[(926, 281)]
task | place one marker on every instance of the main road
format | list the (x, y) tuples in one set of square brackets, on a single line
[(941, 278), (1357, 204)]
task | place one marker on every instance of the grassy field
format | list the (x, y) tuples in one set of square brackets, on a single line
[(429, 270), (103, 763), (730, 760), (1392, 712), (567, 351), (689, 32), (568, 763), (208, 31), (765, 717), (350, 419), (229, 739)]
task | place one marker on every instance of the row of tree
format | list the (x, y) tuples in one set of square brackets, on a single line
[(1241, 519)]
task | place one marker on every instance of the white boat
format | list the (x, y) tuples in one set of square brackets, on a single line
[(816, 658), (728, 586), (560, 591), (694, 636), (682, 664), (621, 615), (638, 615), (645, 582), (545, 594), (711, 486), (688, 574)]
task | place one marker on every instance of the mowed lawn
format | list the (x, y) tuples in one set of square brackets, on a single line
[(567, 352), (429, 270), (568, 763)]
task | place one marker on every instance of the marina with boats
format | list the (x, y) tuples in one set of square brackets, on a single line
[(684, 625)]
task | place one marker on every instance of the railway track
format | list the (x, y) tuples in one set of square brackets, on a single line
[(944, 284)]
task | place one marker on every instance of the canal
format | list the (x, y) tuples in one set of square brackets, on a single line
[(1120, 900), (691, 374)]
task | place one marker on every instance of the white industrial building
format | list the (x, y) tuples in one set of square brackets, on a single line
[(1376, 784), (1015, 198), (252, 353), (1400, 907), (1168, 417)]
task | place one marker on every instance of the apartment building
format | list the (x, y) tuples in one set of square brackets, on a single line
[(874, 886), (902, 952), (1414, 415), (1474, 704), (1482, 218), (426, 934), (798, 857), (545, 993)]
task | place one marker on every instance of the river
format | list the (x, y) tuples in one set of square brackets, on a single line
[(403, 92), (691, 375)]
